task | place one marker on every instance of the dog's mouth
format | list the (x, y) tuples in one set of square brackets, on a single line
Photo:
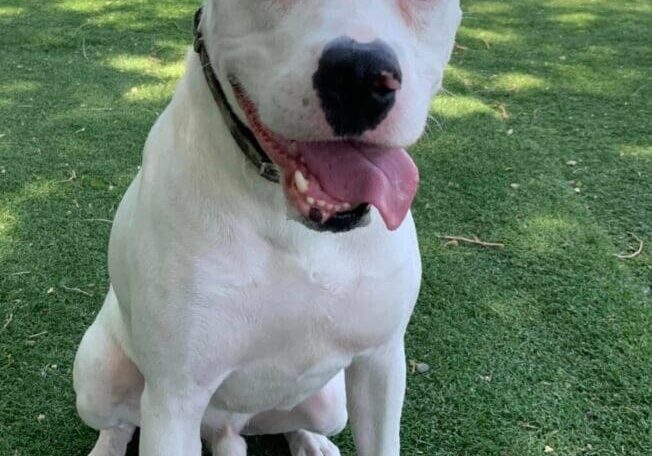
[(331, 184)]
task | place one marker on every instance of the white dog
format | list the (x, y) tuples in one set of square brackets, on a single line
[(271, 298)]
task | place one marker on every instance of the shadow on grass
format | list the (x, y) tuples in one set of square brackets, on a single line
[(540, 343)]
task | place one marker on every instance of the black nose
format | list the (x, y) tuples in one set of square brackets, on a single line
[(357, 84)]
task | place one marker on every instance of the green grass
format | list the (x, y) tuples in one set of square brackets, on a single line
[(544, 343)]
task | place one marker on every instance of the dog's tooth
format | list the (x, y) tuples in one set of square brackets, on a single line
[(321, 203), (310, 200), (330, 207), (301, 182), (338, 208), (346, 206)]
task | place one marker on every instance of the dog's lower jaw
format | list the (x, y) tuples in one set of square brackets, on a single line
[(343, 222)]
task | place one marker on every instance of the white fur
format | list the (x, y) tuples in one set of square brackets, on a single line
[(226, 317)]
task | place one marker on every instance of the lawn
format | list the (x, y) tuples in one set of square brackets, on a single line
[(541, 141)]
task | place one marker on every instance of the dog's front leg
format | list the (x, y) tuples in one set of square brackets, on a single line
[(171, 422), (375, 386)]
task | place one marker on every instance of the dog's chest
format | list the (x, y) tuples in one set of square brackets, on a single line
[(309, 324), (334, 292), (301, 315)]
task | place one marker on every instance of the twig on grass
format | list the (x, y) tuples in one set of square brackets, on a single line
[(504, 114), (638, 251), (637, 91), (84, 48), (73, 176), (474, 241), (8, 321), (34, 336), (98, 220), (16, 274), (76, 290), (529, 426)]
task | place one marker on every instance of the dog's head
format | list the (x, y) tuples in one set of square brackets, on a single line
[(334, 91)]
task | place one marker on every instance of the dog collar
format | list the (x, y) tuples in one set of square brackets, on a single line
[(241, 133)]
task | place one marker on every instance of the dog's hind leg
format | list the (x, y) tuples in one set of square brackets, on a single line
[(108, 385)]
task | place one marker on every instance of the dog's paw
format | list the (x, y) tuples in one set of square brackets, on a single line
[(304, 443)]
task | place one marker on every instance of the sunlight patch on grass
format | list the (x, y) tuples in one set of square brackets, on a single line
[(514, 309), (546, 234), (41, 189), (82, 6), (7, 222), (14, 93), (119, 20), (11, 11), (456, 75), (150, 93), (617, 81), (146, 65), (579, 19), (489, 8), (644, 152), (18, 87), (8, 219), (516, 82), (174, 11), (575, 4), (489, 37), (458, 106), (127, 16)]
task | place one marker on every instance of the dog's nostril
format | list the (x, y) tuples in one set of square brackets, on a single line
[(386, 83), (357, 84)]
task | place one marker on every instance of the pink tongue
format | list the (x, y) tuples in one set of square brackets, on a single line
[(385, 178)]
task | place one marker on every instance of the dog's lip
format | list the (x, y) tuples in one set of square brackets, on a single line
[(322, 179), (302, 189), (342, 221)]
